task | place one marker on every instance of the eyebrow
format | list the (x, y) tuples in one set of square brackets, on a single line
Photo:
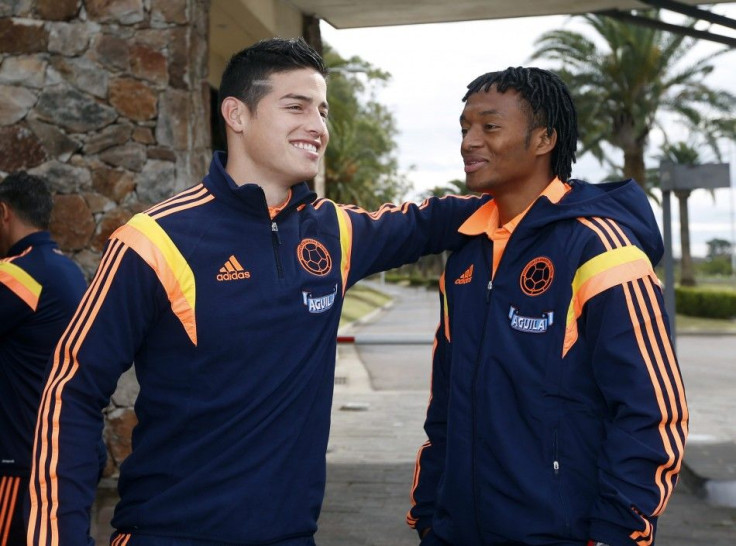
[(483, 114), (303, 98)]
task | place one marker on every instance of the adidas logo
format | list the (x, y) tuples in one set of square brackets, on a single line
[(466, 277), (232, 271)]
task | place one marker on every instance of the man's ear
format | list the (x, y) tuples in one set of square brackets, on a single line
[(235, 114), (546, 142), (4, 212)]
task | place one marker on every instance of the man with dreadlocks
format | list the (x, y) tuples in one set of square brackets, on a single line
[(557, 414)]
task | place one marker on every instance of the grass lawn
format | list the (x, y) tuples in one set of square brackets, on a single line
[(359, 301), (685, 324)]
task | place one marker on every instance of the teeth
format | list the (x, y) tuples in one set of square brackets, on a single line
[(305, 146)]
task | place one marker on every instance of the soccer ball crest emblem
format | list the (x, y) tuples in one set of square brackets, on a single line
[(313, 257), (537, 276)]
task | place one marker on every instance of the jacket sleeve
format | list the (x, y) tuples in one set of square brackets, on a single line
[(395, 235), (19, 295), (98, 345), (635, 367), (430, 461)]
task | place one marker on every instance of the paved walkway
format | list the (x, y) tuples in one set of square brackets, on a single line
[(380, 402)]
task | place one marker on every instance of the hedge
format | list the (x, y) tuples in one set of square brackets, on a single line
[(694, 302)]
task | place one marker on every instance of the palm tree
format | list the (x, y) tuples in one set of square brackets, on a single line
[(453, 187), (683, 154), (622, 90)]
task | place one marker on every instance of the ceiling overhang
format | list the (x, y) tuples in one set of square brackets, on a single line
[(376, 13)]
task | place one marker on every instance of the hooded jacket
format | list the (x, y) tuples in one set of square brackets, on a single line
[(557, 412), (231, 319)]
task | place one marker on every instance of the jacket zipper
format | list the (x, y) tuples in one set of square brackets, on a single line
[(558, 478), (476, 487), (276, 242)]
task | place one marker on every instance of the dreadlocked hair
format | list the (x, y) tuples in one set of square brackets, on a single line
[(549, 105)]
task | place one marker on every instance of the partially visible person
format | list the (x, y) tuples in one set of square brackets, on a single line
[(39, 290), (557, 413), (227, 297)]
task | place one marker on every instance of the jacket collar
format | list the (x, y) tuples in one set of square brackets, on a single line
[(249, 198), (36, 238), (485, 219)]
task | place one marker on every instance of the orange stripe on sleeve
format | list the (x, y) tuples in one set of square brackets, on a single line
[(445, 307), (44, 500), (663, 391), (195, 192), (412, 521), (345, 226), (670, 419), (185, 206), (154, 246), (612, 268), (21, 284), (645, 537), (595, 228), (9, 486)]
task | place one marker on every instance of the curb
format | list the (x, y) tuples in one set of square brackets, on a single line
[(351, 375)]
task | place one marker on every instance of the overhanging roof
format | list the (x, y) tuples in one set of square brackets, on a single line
[(376, 13)]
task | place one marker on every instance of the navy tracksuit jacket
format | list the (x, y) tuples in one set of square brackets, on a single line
[(558, 413), (39, 291)]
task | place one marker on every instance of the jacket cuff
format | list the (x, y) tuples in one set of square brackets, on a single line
[(603, 531), (423, 524)]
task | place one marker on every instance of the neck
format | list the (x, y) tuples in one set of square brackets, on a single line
[(17, 233), (512, 203)]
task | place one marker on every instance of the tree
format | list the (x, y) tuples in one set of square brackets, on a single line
[(453, 187), (718, 248), (622, 89), (361, 164), (718, 261), (683, 154)]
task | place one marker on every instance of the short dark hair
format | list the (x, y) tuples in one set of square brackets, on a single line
[(29, 197), (548, 103), (246, 74)]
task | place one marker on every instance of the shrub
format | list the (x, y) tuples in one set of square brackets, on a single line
[(696, 302), (720, 265)]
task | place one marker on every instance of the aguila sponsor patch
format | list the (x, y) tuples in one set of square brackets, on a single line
[(318, 304), (532, 325)]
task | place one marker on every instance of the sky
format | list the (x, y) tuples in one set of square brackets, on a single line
[(431, 65)]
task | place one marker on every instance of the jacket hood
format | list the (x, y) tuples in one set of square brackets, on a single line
[(623, 201)]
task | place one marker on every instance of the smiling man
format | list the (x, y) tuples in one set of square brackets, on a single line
[(558, 415), (227, 297)]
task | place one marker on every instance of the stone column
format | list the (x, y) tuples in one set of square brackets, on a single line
[(109, 101)]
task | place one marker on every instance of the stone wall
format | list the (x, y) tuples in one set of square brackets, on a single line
[(107, 99)]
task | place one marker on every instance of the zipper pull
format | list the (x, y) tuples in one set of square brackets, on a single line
[(488, 291), (275, 232), (556, 466)]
